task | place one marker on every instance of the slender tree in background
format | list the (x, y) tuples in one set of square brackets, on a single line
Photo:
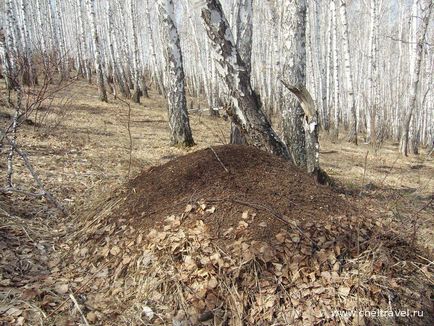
[(153, 58), (349, 46), (247, 112), (83, 43), (97, 50), (176, 102), (136, 73), (406, 144), (7, 71), (336, 84), (371, 112), (10, 48), (352, 134)]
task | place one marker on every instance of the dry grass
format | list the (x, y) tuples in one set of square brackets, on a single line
[(81, 151)]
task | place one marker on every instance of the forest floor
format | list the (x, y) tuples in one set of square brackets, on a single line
[(83, 150)]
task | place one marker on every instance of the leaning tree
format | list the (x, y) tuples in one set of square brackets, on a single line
[(246, 112)]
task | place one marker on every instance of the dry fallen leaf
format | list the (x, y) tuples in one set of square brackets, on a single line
[(212, 283), (115, 250), (344, 291), (91, 316), (148, 312), (14, 312), (61, 288), (188, 208), (242, 225), (211, 210)]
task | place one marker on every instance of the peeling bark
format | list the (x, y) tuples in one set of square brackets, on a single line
[(247, 112)]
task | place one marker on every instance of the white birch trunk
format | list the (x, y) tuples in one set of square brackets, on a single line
[(96, 45), (352, 135), (295, 74), (406, 145), (247, 111), (177, 105)]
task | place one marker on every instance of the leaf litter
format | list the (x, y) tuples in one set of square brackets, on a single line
[(188, 243)]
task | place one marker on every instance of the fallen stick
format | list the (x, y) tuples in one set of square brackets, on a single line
[(78, 308), (218, 159), (35, 176)]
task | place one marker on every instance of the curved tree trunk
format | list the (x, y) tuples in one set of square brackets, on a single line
[(310, 124)]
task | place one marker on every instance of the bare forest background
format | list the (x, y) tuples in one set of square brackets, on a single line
[(125, 197), (361, 57)]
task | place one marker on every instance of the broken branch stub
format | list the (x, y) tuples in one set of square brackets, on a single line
[(310, 128), (306, 100)]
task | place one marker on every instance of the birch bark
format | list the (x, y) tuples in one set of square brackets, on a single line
[(177, 105), (96, 45), (295, 74), (247, 112), (405, 145), (352, 135)]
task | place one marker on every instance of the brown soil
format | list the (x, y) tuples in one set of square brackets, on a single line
[(256, 212), (244, 178)]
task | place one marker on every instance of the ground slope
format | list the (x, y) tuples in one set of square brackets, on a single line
[(230, 236)]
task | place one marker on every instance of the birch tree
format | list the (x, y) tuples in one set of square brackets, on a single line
[(352, 135), (136, 73), (405, 145), (247, 112), (176, 101), (295, 73), (371, 111), (336, 84), (83, 40), (96, 46), (244, 28)]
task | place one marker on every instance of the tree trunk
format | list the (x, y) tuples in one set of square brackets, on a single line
[(310, 124), (158, 77), (295, 73), (247, 112), (244, 27), (352, 134), (177, 105), (136, 93), (336, 91), (96, 45), (417, 57)]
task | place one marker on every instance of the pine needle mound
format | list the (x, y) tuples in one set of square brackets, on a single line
[(235, 236)]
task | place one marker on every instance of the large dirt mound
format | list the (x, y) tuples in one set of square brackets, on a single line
[(235, 236), (234, 178)]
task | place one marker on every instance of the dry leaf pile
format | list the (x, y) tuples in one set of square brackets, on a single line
[(188, 243), (180, 274)]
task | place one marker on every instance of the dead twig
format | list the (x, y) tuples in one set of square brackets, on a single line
[(218, 159), (79, 309), (129, 134), (35, 176), (77, 291)]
